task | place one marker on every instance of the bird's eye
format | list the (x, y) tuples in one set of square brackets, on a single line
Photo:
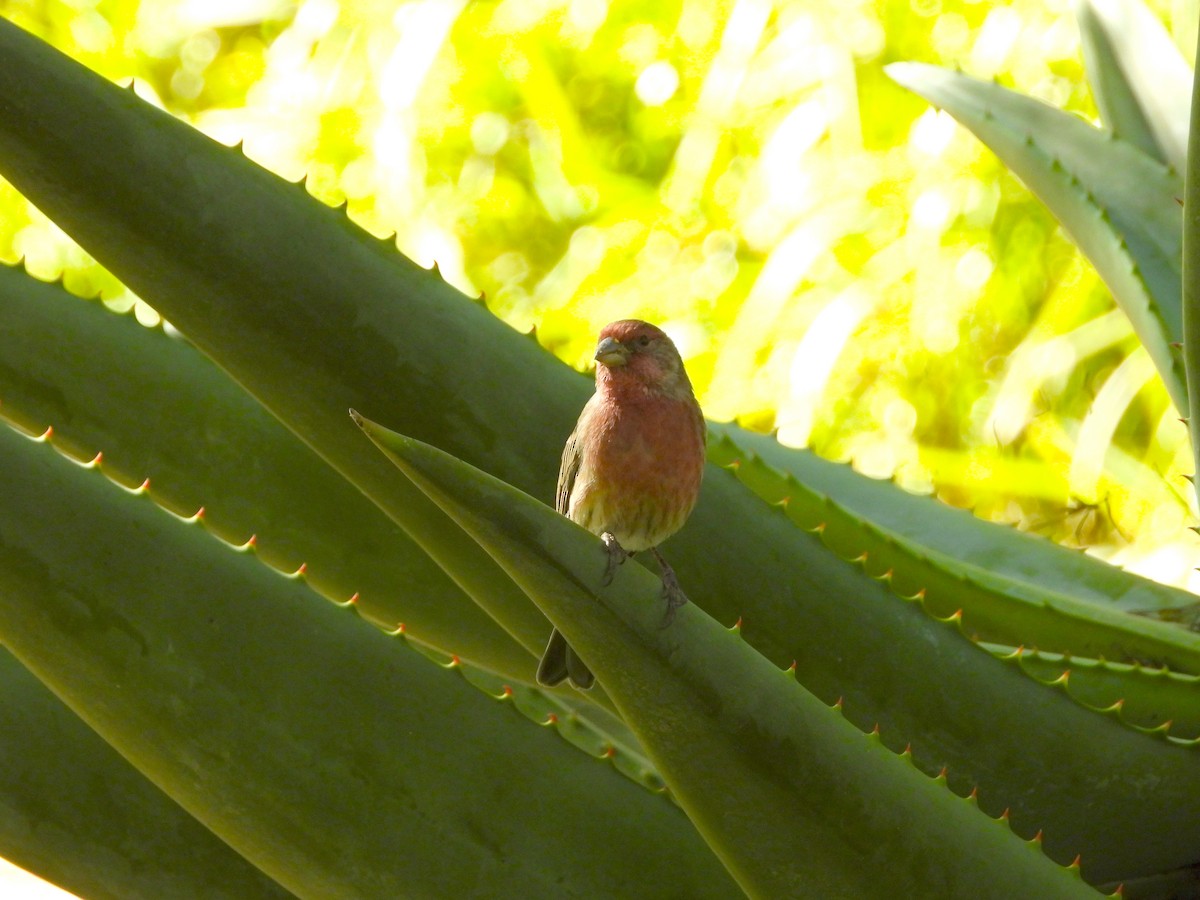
[(644, 341)]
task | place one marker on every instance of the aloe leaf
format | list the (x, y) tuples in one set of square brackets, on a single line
[(1030, 563), (331, 755), (991, 604), (1139, 78), (1154, 699), (298, 303), (1191, 280), (75, 813), (1119, 205), (158, 410), (258, 275), (710, 710)]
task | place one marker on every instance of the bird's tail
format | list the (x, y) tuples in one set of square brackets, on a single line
[(560, 661)]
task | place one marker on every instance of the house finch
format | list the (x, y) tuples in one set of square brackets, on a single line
[(631, 469)]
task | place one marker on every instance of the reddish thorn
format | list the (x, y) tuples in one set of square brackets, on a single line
[(253, 542), (920, 595), (551, 719), (1004, 815), (875, 730), (907, 749), (974, 795), (792, 667), (454, 660), (401, 628), (98, 458), (199, 513), (609, 751), (785, 501), (838, 704), (1119, 705), (303, 569), (737, 626), (942, 773), (1076, 862), (506, 691), (145, 485), (48, 433), (957, 617), (820, 529), (1037, 838), (735, 465), (888, 575), (353, 599)]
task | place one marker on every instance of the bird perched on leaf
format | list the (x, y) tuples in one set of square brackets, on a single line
[(631, 469)]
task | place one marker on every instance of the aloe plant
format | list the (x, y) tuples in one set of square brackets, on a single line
[(344, 701)]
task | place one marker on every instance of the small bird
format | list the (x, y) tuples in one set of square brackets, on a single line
[(632, 467)]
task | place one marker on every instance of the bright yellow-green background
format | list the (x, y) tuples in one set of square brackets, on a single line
[(835, 259)]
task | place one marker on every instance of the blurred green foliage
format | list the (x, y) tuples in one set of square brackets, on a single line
[(835, 259)]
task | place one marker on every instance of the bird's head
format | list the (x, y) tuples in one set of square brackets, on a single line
[(632, 352)]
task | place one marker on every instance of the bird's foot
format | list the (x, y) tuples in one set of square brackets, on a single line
[(616, 556), (671, 591)]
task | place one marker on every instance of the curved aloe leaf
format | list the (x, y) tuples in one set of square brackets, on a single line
[(1028, 560), (77, 814), (1119, 205), (1153, 699), (158, 410), (260, 292), (710, 710), (991, 604), (298, 303), (334, 757), (1139, 78), (1191, 280)]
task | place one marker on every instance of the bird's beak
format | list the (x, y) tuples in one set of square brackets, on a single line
[(611, 352)]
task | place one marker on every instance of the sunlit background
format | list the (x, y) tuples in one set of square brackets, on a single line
[(835, 259)]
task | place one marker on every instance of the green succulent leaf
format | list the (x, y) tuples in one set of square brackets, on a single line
[(75, 812), (710, 710), (1119, 205), (255, 289), (336, 758), (1191, 280), (158, 410), (1138, 76), (992, 603), (1028, 560), (1153, 699)]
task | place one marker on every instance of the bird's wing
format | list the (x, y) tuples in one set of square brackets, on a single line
[(567, 472)]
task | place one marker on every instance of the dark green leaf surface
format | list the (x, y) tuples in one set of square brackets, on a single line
[(992, 603), (712, 711), (157, 409), (336, 758), (73, 811), (282, 292), (1191, 282)]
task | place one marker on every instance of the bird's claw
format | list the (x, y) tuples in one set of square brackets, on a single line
[(674, 595), (671, 590), (616, 556)]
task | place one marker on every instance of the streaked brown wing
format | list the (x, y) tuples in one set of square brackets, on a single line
[(567, 471)]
